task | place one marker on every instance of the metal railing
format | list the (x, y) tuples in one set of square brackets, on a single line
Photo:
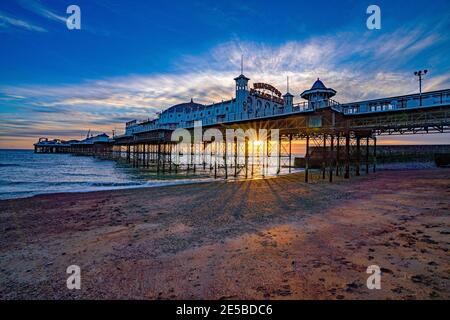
[(413, 101)]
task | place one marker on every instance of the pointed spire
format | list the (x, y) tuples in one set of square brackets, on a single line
[(242, 70), (287, 94), (242, 63)]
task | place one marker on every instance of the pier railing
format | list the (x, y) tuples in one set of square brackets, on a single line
[(413, 101)]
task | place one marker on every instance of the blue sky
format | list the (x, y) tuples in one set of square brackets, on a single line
[(133, 58)]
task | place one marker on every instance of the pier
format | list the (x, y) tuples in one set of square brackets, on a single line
[(340, 139)]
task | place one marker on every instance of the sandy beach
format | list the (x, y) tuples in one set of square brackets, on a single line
[(264, 239)]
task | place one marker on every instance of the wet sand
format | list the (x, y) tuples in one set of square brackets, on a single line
[(264, 239)]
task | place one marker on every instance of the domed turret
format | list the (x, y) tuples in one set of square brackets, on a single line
[(318, 85), (318, 95)]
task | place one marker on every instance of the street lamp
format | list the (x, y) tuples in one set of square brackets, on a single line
[(420, 74)]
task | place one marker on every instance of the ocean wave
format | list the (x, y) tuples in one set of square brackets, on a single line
[(100, 186), (89, 174), (13, 183), (113, 184), (49, 184), (9, 165)]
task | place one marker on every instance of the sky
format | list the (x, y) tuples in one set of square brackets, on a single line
[(131, 59)]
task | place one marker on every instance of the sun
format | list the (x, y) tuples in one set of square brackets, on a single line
[(258, 143)]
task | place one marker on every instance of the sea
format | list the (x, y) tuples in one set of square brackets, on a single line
[(24, 173)]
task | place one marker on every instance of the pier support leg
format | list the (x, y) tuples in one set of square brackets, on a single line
[(307, 160), (261, 156), (158, 163), (132, 155), (211, 156), (163, 158), (246, 157), (290, 153), (225, 158), (149, 155), (338, 151), (215, 160), (153, 154), (177, 155), (144, 158), (374, 154), (170, 157), (138, 147), (135, 153), (204, 155), (268, 158), (188, 158), (367, 155), (235, 156), (279, 155), (331, 158), (253, 157), (347, 156), (193, 157), (358, 156), (324, 156)]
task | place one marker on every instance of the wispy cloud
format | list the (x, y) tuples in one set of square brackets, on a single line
[(7, 21), (39, 9)]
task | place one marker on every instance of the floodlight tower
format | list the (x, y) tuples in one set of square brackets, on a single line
[(420, 74)]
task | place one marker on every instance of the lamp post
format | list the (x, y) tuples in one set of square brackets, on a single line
[(420, 74)]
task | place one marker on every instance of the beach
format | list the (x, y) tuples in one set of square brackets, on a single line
[(277, 238)]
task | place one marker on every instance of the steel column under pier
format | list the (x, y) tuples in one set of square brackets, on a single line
[(331, 158), (307, 159), (358, 155), (347, 156), (374, 154)]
